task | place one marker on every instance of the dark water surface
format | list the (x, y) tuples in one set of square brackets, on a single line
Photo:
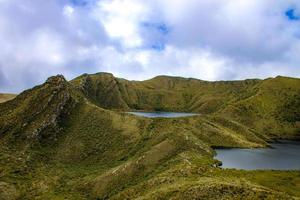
[(284, 155), (162, 114)]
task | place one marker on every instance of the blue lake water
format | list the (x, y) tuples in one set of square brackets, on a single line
[(162, 114), (284, 155)]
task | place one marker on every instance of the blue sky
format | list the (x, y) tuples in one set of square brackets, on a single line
[(134, 39), (290, 13)]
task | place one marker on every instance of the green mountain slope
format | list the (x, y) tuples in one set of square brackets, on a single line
[(162, 93), (72, 140), (274, 109), (35, 114), (270, 106)]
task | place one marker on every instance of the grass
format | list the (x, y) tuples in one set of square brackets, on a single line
[(72, 140), (268, 106), (193, 177)]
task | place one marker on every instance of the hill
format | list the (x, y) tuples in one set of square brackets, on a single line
[(161, 93), (270, 106), (6, 97), (73, 139)]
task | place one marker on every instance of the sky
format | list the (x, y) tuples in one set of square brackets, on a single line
[(139, 39)]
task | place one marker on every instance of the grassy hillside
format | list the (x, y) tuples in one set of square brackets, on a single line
[(162, 93), (269, 106), (6, 97), (71, 140), (273, 110)]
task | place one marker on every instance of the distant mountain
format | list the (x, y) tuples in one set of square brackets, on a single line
[(74, 140), (6, 97)]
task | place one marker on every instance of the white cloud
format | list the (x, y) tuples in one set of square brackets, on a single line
[(206, 39), (144, 64), (121, 20), (68, 11)]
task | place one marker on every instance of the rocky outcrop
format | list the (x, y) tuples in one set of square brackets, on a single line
[(36, 114)]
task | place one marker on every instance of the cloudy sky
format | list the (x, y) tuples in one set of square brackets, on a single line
[(139, 39)]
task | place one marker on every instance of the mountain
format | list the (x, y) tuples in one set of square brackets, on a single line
[(271, 106), (162, 93), (73, 140)]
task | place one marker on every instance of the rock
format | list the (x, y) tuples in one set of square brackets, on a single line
[(56, 79)]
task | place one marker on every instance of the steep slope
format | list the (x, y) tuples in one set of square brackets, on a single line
[(273, 110), (102, 89), (6, 97), (52, 127), (58, 141), (29, 124), (35, 114), (162, 93)]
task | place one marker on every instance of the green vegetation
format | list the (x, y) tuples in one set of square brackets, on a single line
[(73, 140)]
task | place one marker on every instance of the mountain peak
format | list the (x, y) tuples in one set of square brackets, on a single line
[(58, 79)]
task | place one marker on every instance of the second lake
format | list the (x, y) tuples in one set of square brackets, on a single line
[(283, 155)]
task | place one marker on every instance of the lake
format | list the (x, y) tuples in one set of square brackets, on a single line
[(284, 155), (162, 114)]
